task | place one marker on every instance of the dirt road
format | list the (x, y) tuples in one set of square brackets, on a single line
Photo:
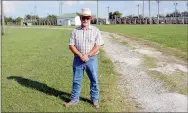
[(134, 62)]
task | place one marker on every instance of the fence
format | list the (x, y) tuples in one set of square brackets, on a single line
[(170, 20)]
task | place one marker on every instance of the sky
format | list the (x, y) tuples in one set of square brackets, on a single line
[(16, 9)]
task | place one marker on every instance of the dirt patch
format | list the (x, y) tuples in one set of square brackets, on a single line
[(149, 93)]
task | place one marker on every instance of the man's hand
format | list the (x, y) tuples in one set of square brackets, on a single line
[(84, 58)]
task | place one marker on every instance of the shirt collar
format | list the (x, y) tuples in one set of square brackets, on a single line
[(89, 27)]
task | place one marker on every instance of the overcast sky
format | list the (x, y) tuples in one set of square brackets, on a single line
[(43, 8)]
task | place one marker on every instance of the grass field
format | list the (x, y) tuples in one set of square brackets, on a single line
[(171, 39), (173, 36), (37, 74)]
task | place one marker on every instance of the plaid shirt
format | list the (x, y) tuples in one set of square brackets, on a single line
[(84, 41)]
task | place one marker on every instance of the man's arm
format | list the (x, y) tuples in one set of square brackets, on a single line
[(99, 42), (74, 50), (94, 50)]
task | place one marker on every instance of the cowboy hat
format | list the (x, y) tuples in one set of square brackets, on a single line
[(85, 12)]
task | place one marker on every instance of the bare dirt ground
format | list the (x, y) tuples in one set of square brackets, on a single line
[(128, 57)]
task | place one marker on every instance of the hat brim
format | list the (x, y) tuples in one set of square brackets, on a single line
[(84, 15)]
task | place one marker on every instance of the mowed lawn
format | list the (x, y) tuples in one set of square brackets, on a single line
[(37, 74), (174, 36)]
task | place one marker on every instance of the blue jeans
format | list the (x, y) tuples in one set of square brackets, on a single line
[(91, 68)]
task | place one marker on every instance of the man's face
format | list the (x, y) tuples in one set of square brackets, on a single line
[(85, 20)]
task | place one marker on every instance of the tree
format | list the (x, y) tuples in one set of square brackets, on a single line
[(117, 14), (130, 16), (177, 13), (184, 14), (52, 17), (111, 15), (28, 16), (8, 19), (19, 19)]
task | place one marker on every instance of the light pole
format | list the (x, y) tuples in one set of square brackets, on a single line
[(158, 12), (108, 12), (143, 9), (149, 13), (60, 8), (138, 10), (97, 12), (35, 12), (175, 4)]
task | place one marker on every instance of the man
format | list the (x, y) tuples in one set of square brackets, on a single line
[(85, 42)]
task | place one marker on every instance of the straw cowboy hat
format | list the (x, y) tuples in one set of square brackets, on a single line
[(85, 12)]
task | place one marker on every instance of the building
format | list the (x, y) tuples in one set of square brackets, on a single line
[(68, 19)]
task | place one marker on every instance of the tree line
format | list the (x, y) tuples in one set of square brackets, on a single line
[(117, 14), (30, 17)]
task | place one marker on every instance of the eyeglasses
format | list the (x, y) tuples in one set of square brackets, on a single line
[(85, 18)]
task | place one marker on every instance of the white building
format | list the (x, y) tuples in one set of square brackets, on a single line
[(69, 19)]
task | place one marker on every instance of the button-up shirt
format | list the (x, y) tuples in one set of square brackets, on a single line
[(84, 41)]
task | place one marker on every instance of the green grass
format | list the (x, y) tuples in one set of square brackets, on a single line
[(175, 82), (173, 36), (149, 62), (37, 74)]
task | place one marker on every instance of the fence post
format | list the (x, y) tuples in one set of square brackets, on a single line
[(135, 21)]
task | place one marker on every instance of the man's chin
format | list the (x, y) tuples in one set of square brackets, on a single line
[(85, 25)]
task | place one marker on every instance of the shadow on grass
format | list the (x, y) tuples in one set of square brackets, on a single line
[(44, 88)]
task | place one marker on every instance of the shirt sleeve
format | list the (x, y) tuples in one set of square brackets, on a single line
[(99, 40), (72, 38)]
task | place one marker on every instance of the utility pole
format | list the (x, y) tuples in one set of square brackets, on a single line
[(97, 12), (108, 12), (158, 12), (2, 19), (138, 10), (175, 4), (143, 9), (35, 12), (149, 13), (60, 8)]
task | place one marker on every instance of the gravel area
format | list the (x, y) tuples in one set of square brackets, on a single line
[(149, 93)]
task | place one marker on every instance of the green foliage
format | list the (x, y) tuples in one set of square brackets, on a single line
[(19, 19), (116, 14), (52, 17), (8, 19)]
